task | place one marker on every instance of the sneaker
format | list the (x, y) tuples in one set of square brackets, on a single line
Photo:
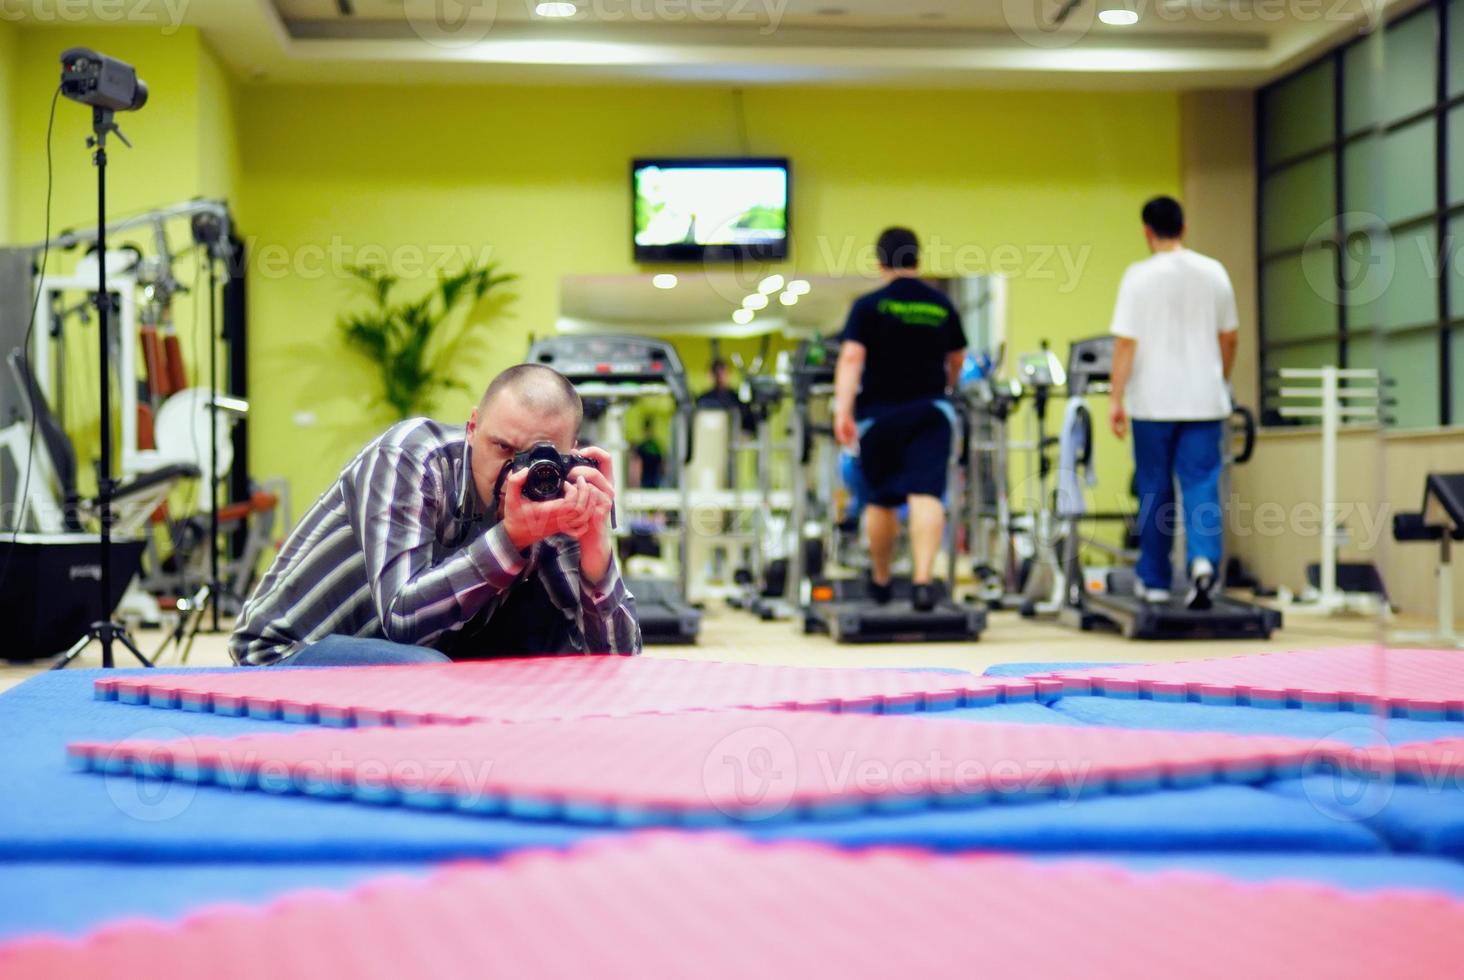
[(1202, 583), (1155, 597), (922, 597), (878, 594)]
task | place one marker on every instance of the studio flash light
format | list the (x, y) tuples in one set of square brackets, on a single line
[(96, 80), (108, 86)]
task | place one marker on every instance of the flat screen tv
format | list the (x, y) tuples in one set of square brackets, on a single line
[(705, 209)]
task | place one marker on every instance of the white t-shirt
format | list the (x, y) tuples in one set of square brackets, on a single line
[(1175, 305)]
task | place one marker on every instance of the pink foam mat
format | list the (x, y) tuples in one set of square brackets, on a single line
[(699, 768), (669, 905), (1421, 684), (549, 688), (1438, 764)]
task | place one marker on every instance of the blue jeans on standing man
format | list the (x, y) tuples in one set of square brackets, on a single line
[(1190, 453)]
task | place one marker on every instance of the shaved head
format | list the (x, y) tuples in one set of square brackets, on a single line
[(537, 387)]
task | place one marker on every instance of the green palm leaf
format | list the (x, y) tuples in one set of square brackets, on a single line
[(411, 342)]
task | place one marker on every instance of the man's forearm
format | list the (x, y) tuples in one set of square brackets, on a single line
[(846, 386), (595, 555), (1123, 364), (1229, 342), (413, 609), (954, 361)]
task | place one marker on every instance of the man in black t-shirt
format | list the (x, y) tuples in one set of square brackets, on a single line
[(719, 395), (722, 397), (901, 350)]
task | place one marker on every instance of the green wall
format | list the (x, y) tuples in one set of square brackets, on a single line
[(538, 178), (9, 57), (1042, 186)]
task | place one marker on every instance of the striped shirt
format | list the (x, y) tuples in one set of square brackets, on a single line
[(401, 548)]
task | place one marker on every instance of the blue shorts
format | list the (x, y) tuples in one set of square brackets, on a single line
[(905, 449)]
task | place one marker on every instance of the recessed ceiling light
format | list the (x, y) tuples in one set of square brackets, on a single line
[(665, 280), (556, 10), (1118, 14), (754, 301), (770, 285), (787, 297), (799, 287), (742, 317)]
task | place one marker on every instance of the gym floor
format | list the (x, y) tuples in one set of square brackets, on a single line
[(734, 636)]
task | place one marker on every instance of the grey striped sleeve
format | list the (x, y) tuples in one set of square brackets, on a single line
[(605, 615), (395, 499), (608, 616)]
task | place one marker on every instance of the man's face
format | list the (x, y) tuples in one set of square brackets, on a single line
[(719, 377), (506, 427)]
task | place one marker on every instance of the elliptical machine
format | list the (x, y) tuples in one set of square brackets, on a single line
[(989, 403), (763, 580)]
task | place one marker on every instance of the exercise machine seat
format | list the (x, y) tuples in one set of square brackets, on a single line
[(1442, 511)]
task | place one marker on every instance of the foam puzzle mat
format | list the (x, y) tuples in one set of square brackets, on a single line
[(699, 768), (553, 688), (1436, 764), (1425, 685), (665, 904)]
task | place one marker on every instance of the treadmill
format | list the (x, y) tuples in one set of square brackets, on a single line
[(612, 371), (841, 608), (1090, 365)]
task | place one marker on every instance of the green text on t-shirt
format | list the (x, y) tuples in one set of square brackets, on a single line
[(914, 312)]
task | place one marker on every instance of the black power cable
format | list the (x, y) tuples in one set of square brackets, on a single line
[(30, 326)]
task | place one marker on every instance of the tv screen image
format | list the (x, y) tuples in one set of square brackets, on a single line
[(697, 209)]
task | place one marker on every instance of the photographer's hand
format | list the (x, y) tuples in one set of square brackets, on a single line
[(530, 521), (593, 490)]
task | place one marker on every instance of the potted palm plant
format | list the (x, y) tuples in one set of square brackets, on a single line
[(410, 341)]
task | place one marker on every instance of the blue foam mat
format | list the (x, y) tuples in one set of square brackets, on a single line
[(43, 896), (1354, 873), (1342, 726), (69, 898), (47, 811), (1410, 818), (1023, 669)]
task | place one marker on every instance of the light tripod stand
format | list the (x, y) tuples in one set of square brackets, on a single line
[(105, 630)]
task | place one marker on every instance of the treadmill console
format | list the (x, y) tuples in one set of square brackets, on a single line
[(813, 364), (1090, 362), (614, 359), (1041, 369)]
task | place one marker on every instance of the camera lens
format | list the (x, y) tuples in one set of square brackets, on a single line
[(544, 481)]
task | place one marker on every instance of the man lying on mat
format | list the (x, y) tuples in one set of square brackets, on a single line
[(427, 548)]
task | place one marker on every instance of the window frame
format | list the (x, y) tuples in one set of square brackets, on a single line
[(1440, 216)]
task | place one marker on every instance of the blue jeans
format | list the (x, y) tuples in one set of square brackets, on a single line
[(1190, 452), (356, 651)]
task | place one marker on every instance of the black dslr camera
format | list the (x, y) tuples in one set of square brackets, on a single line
[(547, 468)]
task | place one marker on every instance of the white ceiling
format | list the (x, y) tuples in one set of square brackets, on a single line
[(1176, 44)]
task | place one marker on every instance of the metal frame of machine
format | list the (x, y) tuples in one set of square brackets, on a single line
[(1089, 366), (617, 370), (841, 607)]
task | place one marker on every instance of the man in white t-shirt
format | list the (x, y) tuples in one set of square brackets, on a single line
[(1174, 325)]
